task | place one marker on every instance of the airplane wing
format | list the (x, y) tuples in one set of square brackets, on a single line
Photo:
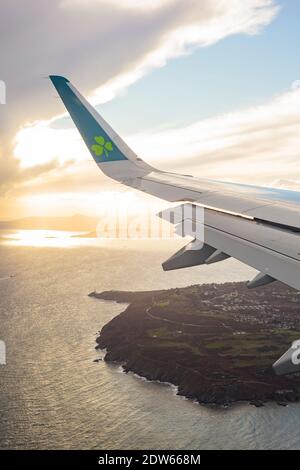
[(257, 225)]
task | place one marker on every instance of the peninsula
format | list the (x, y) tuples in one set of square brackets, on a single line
[(215, 342)]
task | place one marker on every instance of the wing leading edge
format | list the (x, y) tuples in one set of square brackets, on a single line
[(258, 226)]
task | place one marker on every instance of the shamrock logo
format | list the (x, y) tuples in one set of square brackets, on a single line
[(102, 146)]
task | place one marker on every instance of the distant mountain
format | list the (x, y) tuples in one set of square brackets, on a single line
[(76, 222)]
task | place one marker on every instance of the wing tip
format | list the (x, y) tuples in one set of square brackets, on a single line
[(58, 79)]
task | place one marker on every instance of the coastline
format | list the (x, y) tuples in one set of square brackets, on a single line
[(188, 363)]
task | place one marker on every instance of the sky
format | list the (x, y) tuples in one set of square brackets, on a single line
[(210, 88)]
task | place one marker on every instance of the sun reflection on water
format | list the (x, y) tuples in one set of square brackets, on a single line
[(48, 238)]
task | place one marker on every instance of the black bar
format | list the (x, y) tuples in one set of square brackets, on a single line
[(143, 458)]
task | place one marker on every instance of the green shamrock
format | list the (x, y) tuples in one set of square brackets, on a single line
[(102, 146)]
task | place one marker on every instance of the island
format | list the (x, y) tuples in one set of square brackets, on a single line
[(215, 342)]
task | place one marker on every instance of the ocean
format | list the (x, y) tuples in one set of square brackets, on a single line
[(53, 394)]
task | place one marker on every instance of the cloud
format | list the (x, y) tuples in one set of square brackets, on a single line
[(104, 47), (191, 25), (257, 144), (293, 185), (127, 4)]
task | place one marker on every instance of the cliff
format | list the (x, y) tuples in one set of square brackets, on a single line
[(217, 343)]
